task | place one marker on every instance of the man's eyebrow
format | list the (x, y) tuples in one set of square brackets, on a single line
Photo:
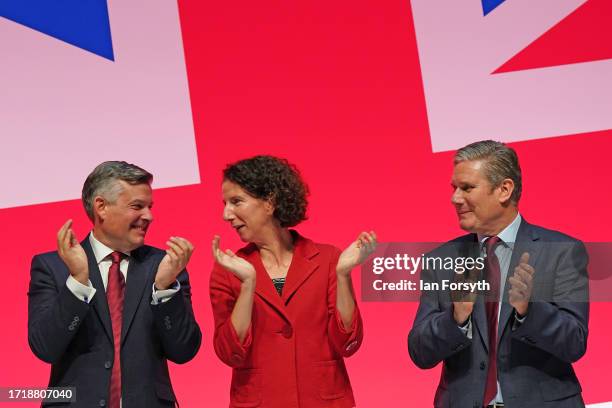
[(139, 201)]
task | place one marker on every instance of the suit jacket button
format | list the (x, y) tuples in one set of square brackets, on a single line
[(287, 331), (108, 364), (102, 403), (483, 365), (236, 358)]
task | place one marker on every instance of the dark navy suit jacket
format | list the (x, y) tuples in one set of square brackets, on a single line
[(533, 359), (77, 339)]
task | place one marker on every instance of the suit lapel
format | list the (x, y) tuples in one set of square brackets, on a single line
[(525, 238), (264, 287), (479, 316), (480, 320), (134, 289), (100, 303), (302, 266)]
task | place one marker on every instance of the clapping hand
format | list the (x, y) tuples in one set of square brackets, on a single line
[(232, 262), (177, 256), (357, 252), (463, 301), (521, 285), (72, 253)]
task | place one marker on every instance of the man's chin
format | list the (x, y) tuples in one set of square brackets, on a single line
[(136, 242), (466, 226)]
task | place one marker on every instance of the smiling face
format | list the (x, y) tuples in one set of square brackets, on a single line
[(481, 208), (249, 216), (122, 223)]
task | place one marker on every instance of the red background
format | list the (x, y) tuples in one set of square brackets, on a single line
[(335, 87)]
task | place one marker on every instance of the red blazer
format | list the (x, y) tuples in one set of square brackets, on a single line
[(292, 356)]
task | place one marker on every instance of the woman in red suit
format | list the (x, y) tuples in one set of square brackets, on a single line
[(284, 308)]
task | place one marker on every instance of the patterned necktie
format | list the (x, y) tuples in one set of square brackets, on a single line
[(491, 307), (115, 291)]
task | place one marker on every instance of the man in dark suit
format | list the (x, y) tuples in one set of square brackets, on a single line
[(513, 347), (109, 312)]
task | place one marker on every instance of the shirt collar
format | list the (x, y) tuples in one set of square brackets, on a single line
[(508, 234), (101, 251)]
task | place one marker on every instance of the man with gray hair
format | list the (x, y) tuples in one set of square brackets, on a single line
[(109, 312), (512, 346)]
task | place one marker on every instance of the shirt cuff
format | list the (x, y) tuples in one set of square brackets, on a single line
[(82, 292), (517, 321), (466, 329), (162, 296)]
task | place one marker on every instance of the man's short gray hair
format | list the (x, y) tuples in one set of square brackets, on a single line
[(102, 181), (500, 162)]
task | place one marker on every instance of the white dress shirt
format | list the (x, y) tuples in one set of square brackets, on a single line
[(503, 251), (102, 254)]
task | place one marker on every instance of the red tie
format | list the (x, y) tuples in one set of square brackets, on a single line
[(491, 306), (115, 290)]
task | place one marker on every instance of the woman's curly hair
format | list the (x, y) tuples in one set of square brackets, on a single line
[(272, 178)]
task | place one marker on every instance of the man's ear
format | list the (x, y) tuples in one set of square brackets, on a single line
[(506, 188), (100, 208)]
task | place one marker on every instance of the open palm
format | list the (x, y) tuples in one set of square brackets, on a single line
[(357, 252), (232, 262)]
